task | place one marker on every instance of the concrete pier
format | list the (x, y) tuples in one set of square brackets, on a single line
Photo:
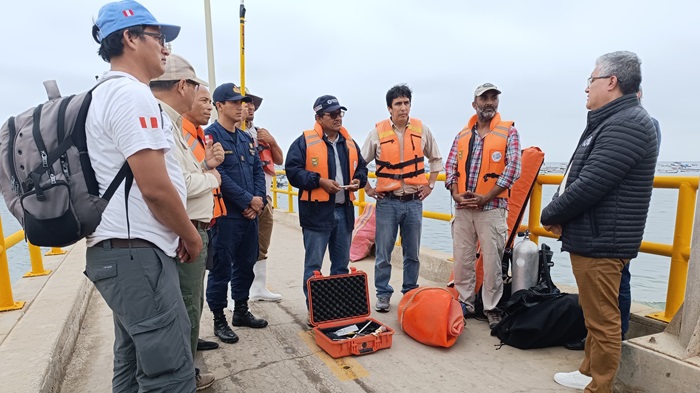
[(62, 342)]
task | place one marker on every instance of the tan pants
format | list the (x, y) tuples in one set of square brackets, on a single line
[(265, 230), (598, 281), (489, 228)]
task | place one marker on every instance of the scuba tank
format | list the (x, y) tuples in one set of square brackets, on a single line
[(525, 264)]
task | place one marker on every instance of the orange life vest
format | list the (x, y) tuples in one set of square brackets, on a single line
[(194, 137), (317, 161), (390, 169), (265, 154), (493, 160)]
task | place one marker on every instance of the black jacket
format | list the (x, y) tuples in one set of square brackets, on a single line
[(604, 206), (319, 216)]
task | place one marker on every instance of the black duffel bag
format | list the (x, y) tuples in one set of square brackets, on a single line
[(538, 319)]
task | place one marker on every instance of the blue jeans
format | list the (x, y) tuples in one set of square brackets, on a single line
[(624, 299), (337, 240), (393, 215)]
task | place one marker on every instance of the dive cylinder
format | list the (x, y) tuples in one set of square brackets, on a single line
[(525, 264)]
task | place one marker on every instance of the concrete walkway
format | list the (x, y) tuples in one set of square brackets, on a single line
[(284, 358)]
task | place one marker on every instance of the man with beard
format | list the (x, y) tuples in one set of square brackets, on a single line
[(483, 164)]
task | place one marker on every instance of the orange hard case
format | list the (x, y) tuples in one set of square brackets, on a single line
[(342, 300)]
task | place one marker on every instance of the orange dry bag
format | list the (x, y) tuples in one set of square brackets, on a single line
[(431, 316)]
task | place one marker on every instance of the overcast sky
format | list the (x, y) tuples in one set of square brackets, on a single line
[(539, 54)]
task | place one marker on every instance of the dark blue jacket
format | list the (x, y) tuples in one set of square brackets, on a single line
[(242, 176), (604, 206), (318, 216)]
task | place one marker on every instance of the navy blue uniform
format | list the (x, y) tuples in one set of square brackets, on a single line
[(235, 237)]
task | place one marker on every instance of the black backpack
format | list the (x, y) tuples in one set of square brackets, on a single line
[(45, 173)]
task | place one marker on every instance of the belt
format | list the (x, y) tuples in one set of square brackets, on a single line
[(402, 198), (201, 225), (124, 243)]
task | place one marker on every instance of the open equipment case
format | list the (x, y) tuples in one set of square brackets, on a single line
[(339, 311)]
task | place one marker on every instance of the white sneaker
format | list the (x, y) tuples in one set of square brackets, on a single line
[(574, 380)]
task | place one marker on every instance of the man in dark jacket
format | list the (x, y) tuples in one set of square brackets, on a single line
[(235, 235), (601, 209), (326, 165)]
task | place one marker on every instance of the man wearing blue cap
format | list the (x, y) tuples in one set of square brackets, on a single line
[(131, 256), (326, 166), (235, 234)]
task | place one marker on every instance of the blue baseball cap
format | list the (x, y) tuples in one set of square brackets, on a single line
[(122, 14), (327, 104), (229, 92)]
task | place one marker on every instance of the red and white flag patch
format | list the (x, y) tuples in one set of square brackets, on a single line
[(145, 122), (128, 13)]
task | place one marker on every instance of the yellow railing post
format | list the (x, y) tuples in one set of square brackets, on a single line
[(290, 197), (361, 201), (678, 273), (535, 204), (37, 263), (55, 251), (7, 302)]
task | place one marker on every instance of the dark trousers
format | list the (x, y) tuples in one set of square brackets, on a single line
[(235, 253), (625, 299), (192, 287), (151, 326)]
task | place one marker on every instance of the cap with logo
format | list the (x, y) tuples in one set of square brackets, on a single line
[(122, 14), (177, 68), (327, 104), (229, 92), (257, 101), (481, 89)]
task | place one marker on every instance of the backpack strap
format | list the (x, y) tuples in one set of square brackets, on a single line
[(16, 187)]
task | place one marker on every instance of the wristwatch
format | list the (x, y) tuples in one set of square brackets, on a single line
[(431, 186)]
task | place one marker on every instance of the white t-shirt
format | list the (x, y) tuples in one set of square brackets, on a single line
[(124, 118)]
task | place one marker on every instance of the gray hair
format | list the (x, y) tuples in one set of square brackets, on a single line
[(626, 66)]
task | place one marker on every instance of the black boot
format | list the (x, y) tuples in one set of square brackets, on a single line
[(222, 330), (243, 317)]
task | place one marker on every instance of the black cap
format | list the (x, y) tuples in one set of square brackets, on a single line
[(327, 104)]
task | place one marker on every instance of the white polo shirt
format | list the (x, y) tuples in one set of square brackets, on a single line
[(124, 118)]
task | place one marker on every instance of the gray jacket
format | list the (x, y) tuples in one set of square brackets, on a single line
[(606, 200)]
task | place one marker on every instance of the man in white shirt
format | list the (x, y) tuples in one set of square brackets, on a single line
[(131, 256)]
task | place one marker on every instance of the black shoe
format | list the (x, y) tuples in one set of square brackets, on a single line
[(578, 345), (222, 330), (203, 345), (248, 320)]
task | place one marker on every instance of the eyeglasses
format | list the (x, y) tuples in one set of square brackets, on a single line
[(158, 36), (335, 115), (193, 83), (591, 79)]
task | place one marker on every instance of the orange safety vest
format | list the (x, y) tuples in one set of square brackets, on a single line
[(317, 161), (493, 160), (390, 169), (194, 137), (265, 153)]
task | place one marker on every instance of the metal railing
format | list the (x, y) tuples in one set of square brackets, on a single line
[(7, 302), (678, 251)]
